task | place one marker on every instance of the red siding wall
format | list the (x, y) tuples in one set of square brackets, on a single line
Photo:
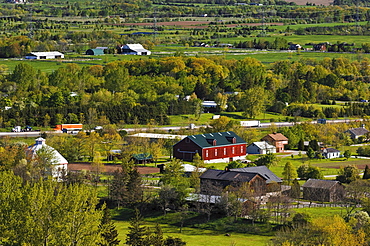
[(219, 152), (183, 145)]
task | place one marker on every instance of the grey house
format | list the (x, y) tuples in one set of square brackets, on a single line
[(355, 133), (323, 190), (261, 148)]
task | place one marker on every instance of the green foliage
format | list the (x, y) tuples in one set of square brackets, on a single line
[(289, 173), (347, 154), (267, 160), (309, 172), (366, 173), (234, 164), (348, 174), (109, 232), (44, 211)]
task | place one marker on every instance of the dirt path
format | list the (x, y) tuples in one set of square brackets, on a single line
[(110, 168)]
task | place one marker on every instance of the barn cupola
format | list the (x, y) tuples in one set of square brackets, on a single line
[(40, 141)]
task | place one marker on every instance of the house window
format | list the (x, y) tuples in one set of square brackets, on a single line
[(233, 150), (206, 153), (215, 152)]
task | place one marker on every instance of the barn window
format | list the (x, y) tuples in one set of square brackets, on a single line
[(225, 152), (233, 150), (206, 153), (215, 152)]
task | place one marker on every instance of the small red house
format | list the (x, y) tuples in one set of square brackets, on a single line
[(276, 139), (211, 147)]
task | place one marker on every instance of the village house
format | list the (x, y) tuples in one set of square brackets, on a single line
[(276, 139), (323, 190), (329, 153), (211, 147), (356, 133), (215, 181)]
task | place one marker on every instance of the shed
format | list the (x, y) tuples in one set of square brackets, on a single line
[(142, 158), (45, 55), (95, 52), (323, 190)]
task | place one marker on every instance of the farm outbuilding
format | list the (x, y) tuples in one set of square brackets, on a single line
[(134, 49), (211, 147), (59, 163), (94, 52), (45, 55), (323, 190)]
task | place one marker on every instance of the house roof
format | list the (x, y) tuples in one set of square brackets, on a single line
[(228, 175), (222, 139), (320, 183), (360, 131), (50, 53), (263, 145), (330, 150), (277, 137), (261, 170)]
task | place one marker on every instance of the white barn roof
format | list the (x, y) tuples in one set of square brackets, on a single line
[(40, 143), (45, 55), (158, 136)]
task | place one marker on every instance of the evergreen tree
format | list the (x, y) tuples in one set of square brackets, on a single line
[(301, 144), (137, 235), (295, 191), (109, 232), (310, 153), (366, 173)]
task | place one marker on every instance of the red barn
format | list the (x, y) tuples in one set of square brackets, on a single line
[(211, 147)]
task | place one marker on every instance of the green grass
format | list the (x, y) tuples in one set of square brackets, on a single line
[(322, 211)]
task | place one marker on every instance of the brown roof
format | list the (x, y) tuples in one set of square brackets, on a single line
[(278, 137), (320, 183)]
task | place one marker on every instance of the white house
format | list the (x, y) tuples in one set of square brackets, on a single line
[(59, 163), (261, 148), (45, 55), (134, 49), (329, 153)]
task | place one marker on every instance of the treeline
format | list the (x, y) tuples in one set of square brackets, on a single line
[(144, 90)]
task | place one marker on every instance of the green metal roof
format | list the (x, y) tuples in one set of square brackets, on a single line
[(142, 156), (97, 51), (221, 139)]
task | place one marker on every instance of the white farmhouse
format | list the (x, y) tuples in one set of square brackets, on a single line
[(59, 163)]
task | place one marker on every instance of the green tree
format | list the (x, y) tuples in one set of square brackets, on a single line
[(348, 174), (366, 173), (289, 172), (347, 154), (234, 164), (267, 160), (254, 101), (109, 232), (137, 234), (309, 172), (310, 153)]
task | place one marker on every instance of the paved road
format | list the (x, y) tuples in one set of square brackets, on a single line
[(20, 134)]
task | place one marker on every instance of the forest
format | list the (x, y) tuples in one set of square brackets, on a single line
[(139, 91)]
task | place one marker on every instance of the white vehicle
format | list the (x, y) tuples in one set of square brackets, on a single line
[(250, 123), (17, 129)]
